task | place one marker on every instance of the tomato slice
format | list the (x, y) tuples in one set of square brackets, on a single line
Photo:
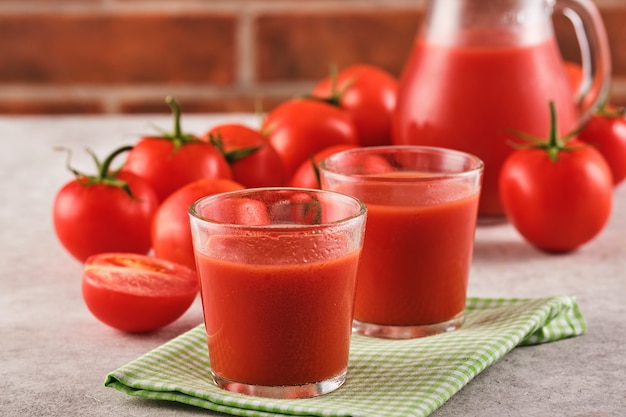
[(137, 293)]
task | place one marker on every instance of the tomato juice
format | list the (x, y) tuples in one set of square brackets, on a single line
[(272, 322), (417, 251), (471, 98)]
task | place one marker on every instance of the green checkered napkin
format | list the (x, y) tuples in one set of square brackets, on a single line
[(385, 377)]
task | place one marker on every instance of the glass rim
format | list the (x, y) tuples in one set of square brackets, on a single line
[(476, 168), (360, 208)]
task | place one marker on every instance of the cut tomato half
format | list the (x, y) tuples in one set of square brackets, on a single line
[(137, 293)]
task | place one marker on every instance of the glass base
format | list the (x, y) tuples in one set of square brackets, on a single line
[(406, 332), (283, 391)]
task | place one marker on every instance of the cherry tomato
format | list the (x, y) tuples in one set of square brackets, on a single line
[(368, 95), (171, 231), (137, 293), (111, 211), (252, 159), (170, 161), (307, 174), (606, 130), (299, 128), (558, 194)]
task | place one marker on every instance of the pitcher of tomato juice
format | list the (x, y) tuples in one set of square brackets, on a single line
[(480, 70)]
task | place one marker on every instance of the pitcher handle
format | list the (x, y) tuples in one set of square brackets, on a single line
[(595, 54)]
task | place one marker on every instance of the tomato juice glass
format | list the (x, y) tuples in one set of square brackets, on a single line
[(422, 211), (277, 269)]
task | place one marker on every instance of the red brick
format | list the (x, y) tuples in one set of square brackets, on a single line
[(615, 22), (302, 46), (48, 106), (108, 48), (224, 104)]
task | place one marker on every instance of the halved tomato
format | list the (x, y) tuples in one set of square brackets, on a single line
[(137, 293)]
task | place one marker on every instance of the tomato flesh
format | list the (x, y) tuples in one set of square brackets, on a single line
[(137, 293)]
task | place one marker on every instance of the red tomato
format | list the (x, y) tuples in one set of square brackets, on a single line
[(307, 174), (242, 211), (368, 95), (606, 130), (137, 293), (557, 195), (171, 232), (306, 208), (574, 75), (299, 128), (111, 211), (252, 159), (168, 162)]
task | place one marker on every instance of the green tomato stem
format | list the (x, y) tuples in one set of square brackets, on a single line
[(554, 144), (104, 174), (176, 112), (104, 168)]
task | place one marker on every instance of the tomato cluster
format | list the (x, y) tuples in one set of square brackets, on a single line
[(556, 191), (142, 206)]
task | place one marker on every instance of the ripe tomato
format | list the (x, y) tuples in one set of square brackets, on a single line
[(111, 211), (606, 130), (171, 232), (137, 293), (242, 209), (299, 128), (170, 161), (252, 159), (558, 195), (574, 75), (307, 174), (368, 95)]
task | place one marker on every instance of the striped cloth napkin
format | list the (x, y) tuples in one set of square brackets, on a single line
[(386, 378)]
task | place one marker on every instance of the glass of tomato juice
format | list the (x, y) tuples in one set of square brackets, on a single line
[(277, 270), (422, 211)]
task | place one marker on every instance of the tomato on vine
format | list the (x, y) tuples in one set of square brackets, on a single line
[(109, 211), (253, 160), (368, 94), (174, 159), (557, 193)]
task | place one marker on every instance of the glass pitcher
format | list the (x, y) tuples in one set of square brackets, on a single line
[(481, 69)]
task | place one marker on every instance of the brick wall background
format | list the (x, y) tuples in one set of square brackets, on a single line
[(125, 56)]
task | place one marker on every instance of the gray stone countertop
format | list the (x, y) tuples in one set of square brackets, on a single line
[(54, 355)]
